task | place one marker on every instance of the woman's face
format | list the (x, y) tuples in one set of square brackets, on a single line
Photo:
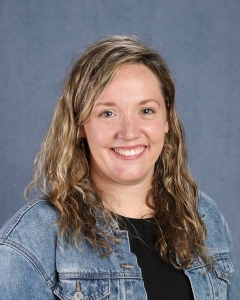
[(126, 130)]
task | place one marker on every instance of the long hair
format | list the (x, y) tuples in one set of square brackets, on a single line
[(61, 168)]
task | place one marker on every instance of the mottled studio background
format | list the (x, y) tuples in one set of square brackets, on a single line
[(200, 41)]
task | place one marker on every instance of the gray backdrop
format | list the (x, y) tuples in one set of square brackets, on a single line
[(201, 43)]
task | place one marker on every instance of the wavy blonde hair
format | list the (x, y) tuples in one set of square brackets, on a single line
[(61, 169)]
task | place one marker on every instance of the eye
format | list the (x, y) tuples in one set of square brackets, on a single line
[(147, 111), (107, 114)]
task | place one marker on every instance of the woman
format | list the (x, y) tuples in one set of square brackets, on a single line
[(120, 217)]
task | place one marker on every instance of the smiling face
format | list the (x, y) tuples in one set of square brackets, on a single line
[(126, 130)]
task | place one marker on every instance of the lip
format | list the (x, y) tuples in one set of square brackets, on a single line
[(128, 152)]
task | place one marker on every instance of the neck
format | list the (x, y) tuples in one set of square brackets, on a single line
[(126, 200)]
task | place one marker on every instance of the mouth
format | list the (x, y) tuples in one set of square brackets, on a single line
[(129, 152)]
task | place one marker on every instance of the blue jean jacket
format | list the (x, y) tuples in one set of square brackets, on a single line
[(33, 265)]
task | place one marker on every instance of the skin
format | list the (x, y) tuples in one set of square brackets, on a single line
[(125, 134)]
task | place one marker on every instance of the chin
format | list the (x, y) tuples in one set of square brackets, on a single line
[(131, 179)]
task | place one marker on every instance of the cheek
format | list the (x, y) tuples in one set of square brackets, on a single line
[(156, 131), (100, 134), (92, 134)]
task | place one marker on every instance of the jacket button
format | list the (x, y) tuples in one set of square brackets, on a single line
[(78, 296)]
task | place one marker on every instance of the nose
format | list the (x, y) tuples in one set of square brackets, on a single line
[(129, 128)]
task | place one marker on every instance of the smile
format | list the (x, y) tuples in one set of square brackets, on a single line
[(130, 152)]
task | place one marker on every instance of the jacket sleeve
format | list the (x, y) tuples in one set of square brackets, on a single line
[(234, 286), (19, 277)]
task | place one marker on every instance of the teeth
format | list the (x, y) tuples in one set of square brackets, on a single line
[(132, 152)]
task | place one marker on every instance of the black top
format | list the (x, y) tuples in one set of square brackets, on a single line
[(161, 280)]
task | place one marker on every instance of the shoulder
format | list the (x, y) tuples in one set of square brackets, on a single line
[(219, 246), (28, 244), (207, 206), (217, 230), (35, 217), (31, 236)]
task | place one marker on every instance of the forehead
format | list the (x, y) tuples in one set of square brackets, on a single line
[(136, 79), (134, 70)]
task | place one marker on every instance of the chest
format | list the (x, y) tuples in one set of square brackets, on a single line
[(83, 274)]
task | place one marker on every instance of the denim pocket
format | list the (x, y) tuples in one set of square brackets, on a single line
[(76, 288), (222, 268), (211, 284)]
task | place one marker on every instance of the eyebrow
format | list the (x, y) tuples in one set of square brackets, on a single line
[(106, 104), (149, 100), (143, 102)]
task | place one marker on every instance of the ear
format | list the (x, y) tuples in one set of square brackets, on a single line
[(166, 127), (82, 133)]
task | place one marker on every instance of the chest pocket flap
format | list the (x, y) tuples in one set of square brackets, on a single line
[(212, 284), (223, 268), (78, 288)]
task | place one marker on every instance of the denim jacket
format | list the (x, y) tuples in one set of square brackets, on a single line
[(34, 265)]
